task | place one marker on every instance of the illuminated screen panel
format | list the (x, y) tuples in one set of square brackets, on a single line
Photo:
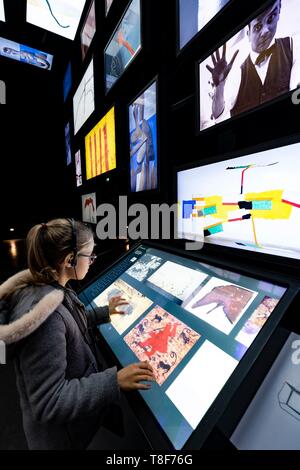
[(124, 44), (2, 13), (89, 208), (67, 83), (276, 406), (253, 67), (16, 51), (84, 99), (250, 203), (68, 143), (78, 168), (143, 140), (192, 322), (194, 15), (88, 30), (58, 16), (100, 147)]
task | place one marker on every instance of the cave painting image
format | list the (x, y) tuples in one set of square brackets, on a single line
[(162, 340), (220, 303), (251, 202), (257, 320), (137, 304)]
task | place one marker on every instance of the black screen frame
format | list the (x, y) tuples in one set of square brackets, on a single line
[(220, 125)]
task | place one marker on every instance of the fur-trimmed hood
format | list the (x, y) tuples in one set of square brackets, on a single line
[(25, 306)]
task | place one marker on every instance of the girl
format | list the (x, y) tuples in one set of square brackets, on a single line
[(64, 392)]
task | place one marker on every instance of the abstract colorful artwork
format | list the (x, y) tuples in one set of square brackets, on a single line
[(88, 30), (177, 280), (250, 202), (100, 147), (220, 303), (124, 45), (144, 267), (68, 143), (162, 340), (137, 304)]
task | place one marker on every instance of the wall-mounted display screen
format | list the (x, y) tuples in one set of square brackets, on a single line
[(108, 4), (88, 30), (58, 16), (143, 140), (2, 14), (257, 65), (16, 51), (78, 168), (67, 84), (191, 321), (84, 99), (194, 15), (100, 147), (272, 420), (251, 202), (89, 208), (68, 143), (124, 44)]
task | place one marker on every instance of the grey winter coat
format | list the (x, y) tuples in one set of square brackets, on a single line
[(64, 394)]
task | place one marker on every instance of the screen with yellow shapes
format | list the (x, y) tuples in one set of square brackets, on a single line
[(100, 147)]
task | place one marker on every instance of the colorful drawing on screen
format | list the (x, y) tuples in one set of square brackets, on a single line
[(144, 267), (220, 303), (257, 320), (143, 141), (100, 147), (162, 340), (254, 67), (124, 45), (58, 16), (84, 98), (68, 143), (16, 51), (88, 30), (177, 280), (137, 304), (78, 168), (89, 208), (256, 205)]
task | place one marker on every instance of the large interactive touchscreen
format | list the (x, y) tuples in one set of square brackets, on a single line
[(191, 321)]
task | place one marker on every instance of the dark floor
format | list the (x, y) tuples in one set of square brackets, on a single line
[(12, 260)]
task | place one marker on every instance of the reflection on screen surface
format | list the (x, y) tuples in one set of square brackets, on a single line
[(250, 202), (191, 321)]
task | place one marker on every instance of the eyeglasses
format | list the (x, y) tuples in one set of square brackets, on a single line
[(92, 258)]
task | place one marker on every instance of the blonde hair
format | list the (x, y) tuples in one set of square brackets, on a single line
[(49, 244)]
